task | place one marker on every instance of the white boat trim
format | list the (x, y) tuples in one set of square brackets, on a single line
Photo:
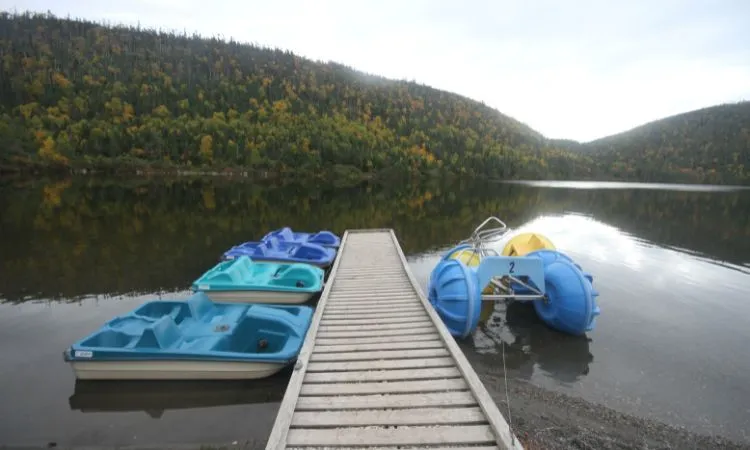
[(174, 370), (259, 296)]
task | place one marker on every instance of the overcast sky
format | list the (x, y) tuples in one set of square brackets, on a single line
[(577, 69)]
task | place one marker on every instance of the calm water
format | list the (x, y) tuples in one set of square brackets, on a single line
[(672, 267)]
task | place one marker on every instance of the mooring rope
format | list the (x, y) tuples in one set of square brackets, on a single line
[(507, 396)]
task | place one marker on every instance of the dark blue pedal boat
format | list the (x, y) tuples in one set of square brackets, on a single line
[(274, 250), (193, 339), (323, 238)]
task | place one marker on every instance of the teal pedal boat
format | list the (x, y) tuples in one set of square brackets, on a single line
[(247, 281), (195, 339)]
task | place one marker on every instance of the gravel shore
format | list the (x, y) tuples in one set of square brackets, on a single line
[(548, 420)]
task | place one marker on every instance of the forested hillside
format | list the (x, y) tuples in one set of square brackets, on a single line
[(707, 145), (79, 94)]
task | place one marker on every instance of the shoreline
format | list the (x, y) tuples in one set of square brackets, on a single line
[(547, 420), (334, 173)]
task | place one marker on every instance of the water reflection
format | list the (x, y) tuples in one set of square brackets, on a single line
[(605, 244), (155, 397), (598, 185), (63, 239), (88, 237), (530, 345)]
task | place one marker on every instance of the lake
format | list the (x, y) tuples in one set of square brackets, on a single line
[(672, 265)]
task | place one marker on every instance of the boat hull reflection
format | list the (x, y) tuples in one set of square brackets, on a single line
[(531, 346), (156, 397)]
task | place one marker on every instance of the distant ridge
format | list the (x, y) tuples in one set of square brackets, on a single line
[(79, 95)]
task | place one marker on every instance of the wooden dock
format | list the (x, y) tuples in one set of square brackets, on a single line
[(378, 367)]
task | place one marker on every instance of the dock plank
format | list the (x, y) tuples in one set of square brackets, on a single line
[(379, 368), (368, 298), (406, 303), (421, 447), (357, 376), (411, 311), (380, 288), (379, 339), (407, 435), (334, 402), (366, 333), (375, 326), (415, 363), (405, 345), (349, 307), (365, 301), (332, 319), (385, 387), (394, 417), (380, 354)]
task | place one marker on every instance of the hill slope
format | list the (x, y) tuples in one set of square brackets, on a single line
[(79, 94), (75, 94), (706, 145)]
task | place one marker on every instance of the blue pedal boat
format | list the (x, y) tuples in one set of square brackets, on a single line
[(274, 250), (247, 281), (195, 339), (324, 238)]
